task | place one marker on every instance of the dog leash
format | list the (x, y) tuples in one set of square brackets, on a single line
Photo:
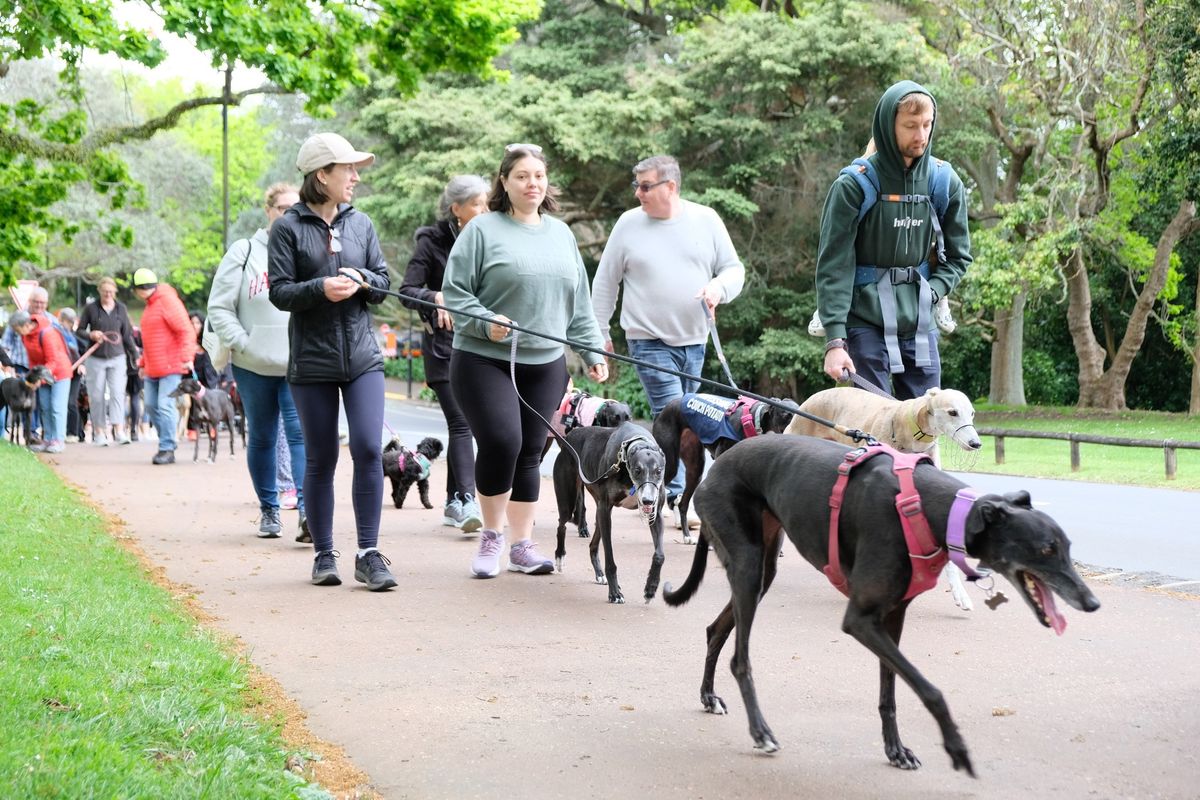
[(790, 408), (863, 383), (712, 329), (105, 336)]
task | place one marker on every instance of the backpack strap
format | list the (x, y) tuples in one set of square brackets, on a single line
[(863, 173)]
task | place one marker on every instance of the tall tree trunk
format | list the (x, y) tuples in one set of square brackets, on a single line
[(1008, 353), (1106, 389)]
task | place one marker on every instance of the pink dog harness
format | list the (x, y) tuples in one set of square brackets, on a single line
[(927, 557)]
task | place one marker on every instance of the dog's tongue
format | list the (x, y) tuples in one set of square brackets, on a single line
[(1046, 597)]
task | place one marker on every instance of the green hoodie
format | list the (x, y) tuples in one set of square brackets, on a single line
[(892, 234)]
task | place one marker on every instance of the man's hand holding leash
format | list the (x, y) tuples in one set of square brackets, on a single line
[(837, 360)]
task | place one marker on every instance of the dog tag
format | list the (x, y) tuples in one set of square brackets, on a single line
[(993, 602)]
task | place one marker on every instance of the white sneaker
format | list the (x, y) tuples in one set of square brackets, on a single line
[(100, 441), (942, 317), (815, 328)]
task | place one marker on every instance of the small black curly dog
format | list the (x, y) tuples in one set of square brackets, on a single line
[(404, 467)]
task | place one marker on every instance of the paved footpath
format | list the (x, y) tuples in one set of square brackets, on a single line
[(536, 687)]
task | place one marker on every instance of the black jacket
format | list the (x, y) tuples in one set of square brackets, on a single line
[(330, 342), (95, 318), (422, 280)]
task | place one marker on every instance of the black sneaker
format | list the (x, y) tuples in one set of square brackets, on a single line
[(163, 457), (325, 569), (268, 524), (372, 570), (304, 535)]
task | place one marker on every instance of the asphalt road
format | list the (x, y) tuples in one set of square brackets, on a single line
[(1134, 534)]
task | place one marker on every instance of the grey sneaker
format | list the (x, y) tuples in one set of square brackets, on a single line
[(524, 557), (452, 514), (487, 560), (371, 569), (268, 524), (325, 571), (472, 515)]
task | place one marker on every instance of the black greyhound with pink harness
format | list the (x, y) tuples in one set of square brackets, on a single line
[(881, 538)]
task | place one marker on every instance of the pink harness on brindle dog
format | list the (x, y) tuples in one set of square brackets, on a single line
[(927, 557)]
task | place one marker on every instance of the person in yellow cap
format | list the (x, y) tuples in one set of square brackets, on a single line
[(168, 347), (323, 262)]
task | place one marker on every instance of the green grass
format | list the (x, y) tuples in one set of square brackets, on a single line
[(1142, 466), (109, 688)]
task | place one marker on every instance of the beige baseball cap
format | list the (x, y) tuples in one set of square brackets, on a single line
[(322, 149)]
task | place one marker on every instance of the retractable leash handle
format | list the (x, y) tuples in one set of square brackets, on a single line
[(791, 408)]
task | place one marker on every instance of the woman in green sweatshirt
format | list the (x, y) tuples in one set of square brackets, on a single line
[(515, 264)]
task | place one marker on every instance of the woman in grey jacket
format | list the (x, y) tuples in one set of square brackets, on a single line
[(323, 255), (255, 331)]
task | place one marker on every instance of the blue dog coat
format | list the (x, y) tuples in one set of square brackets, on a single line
[(712, 417)]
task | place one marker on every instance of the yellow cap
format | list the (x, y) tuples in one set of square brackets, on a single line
[(144, 277)]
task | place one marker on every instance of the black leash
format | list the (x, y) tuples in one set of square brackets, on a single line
[(791, 408)]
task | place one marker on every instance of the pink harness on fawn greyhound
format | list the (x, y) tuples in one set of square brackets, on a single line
[(927, 557)]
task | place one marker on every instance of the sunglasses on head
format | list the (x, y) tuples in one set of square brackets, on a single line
[(529, 148)]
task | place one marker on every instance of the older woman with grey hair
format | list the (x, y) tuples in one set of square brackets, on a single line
[(464, 197)]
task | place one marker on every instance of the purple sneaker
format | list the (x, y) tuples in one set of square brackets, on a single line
[(524, 557), (487, 560)]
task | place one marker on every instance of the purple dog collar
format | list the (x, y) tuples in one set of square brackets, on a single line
[(956, 532)]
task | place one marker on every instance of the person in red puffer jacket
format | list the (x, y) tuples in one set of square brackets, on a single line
[(46, 346), (168, 347)]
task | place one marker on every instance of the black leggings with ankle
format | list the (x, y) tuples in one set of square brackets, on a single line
[(509, 436)]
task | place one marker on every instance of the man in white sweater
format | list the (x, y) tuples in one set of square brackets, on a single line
[(677, 263)]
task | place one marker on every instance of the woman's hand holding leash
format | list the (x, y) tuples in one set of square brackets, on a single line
[(598, 372), (497, 330), (340, 287)]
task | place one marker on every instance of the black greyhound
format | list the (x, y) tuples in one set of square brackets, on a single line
[(623, 462), (776, 482), (580, 410), (679, 442), (210, 407), (19, 395)]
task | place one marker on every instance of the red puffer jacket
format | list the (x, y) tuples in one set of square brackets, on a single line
[(168, 338), (47, 347)]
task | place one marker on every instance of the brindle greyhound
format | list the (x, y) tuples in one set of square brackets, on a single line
[(623, 462), (772, 484)]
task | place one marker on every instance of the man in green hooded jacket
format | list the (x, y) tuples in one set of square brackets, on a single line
[(892, 254)]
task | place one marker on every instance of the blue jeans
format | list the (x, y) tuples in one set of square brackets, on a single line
[(266, 399), (661, 387), (161, 409), (869, 353), (52, 404)]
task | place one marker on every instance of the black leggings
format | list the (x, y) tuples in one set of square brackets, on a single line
[(317, 405), (460, 451), (509, 436)]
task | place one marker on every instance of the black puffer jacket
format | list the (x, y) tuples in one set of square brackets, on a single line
[(423, 280), (330, 342)]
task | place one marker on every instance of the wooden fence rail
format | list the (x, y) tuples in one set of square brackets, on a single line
[(1169, 446)]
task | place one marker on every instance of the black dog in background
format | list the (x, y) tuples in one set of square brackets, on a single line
[(405, 467), (210, 408), (19, 396)]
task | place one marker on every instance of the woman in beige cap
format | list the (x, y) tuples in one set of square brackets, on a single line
[(320, 255)]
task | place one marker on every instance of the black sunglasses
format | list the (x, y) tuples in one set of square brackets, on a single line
[(643, 187)]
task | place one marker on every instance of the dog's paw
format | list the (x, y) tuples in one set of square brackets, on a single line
[(558, 565), (427, 504), (962, 600), (713, 704), (600, 579), (902, 758), (765, 743), (689, 539), (616, 597)]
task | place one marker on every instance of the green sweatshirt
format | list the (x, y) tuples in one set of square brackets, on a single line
[(532, 274), (892, 234)]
